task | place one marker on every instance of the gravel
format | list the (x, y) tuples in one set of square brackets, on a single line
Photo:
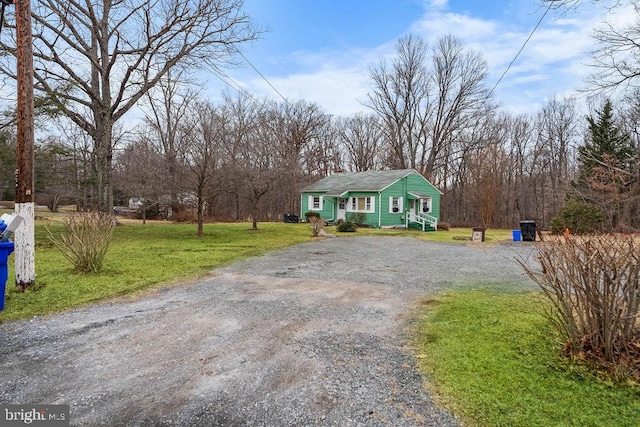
[(315, 334)]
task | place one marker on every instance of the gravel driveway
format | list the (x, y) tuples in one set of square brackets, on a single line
[(316, 334)]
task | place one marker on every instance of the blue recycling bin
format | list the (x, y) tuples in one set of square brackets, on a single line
[(6, 249), (516, 235)]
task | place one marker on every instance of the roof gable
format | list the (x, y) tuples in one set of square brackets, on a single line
[(340, 183)]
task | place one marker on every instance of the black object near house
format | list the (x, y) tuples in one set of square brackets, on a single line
[(291, 218)]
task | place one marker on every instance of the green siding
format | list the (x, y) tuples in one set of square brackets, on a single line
[(397, 189), (370, 218), (382, 216), (401, 188), (419, 184), (328, 206)]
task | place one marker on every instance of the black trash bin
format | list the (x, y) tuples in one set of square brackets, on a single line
[(291, 218), (528, 230)]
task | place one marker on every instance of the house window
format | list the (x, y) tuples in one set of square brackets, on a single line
[(315, 203), (395, 204), (362, 204), (342, 204)]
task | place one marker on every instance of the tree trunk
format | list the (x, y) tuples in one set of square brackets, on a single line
[(103, 160), (200, 215), (254, 214)]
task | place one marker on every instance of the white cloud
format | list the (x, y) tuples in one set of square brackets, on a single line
[(552, 60), (438, 4), (340, 91), (435, 24), (551, 63)]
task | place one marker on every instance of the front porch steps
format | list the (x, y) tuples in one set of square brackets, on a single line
[(423, 221)]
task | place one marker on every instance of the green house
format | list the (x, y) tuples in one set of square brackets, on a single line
[(391, 198)]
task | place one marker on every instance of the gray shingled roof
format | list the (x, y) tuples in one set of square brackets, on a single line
[(340, 183)]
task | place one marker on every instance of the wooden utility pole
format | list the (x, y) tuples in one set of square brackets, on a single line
[(25, 207)]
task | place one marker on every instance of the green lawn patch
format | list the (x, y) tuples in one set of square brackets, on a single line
[(139, 257), (493, 359), (458, 235)]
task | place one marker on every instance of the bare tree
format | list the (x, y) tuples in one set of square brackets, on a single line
[(95, 59), (556, 138), (572, 4), (136, 167), (295, 125), (204, 132), (616, 57), (400, 92), (79, 147), (360, 137), (167, 108), (427, 110), (557, 4), (7, 165), (461, 104), (54, 172), (519, 139), (293, 130), (486, 170), (322, 156)]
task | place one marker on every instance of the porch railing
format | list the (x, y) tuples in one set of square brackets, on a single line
[(422, 219)]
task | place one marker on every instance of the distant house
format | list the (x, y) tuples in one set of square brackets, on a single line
[(392, 198)]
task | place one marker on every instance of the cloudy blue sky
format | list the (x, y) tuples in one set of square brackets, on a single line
[(321, 50)]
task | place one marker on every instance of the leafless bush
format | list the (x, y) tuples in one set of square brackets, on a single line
[(85, 239), (593, 283), (317, 224)]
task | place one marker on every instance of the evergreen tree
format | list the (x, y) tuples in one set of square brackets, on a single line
[(606, 143), (605, 169)]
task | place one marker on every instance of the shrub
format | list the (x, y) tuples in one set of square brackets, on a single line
[(317, 224), (152, 211), (311, 214), (85, 239), (592, 284), (357, 218), (443, 226), (347, 227), (579, 217)]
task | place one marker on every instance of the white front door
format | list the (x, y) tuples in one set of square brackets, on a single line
[(342, 209)]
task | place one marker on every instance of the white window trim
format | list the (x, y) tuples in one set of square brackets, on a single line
[(400, 204), (372, 204), (311, 207)]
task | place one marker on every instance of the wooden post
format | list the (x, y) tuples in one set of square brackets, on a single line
[(24, 237)]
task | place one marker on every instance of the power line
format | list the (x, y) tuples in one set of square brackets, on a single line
[(262, 75), (232, 84), (521, 49), (235, 86)]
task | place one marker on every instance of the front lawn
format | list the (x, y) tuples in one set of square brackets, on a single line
[(139, 257), (492, 358)]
